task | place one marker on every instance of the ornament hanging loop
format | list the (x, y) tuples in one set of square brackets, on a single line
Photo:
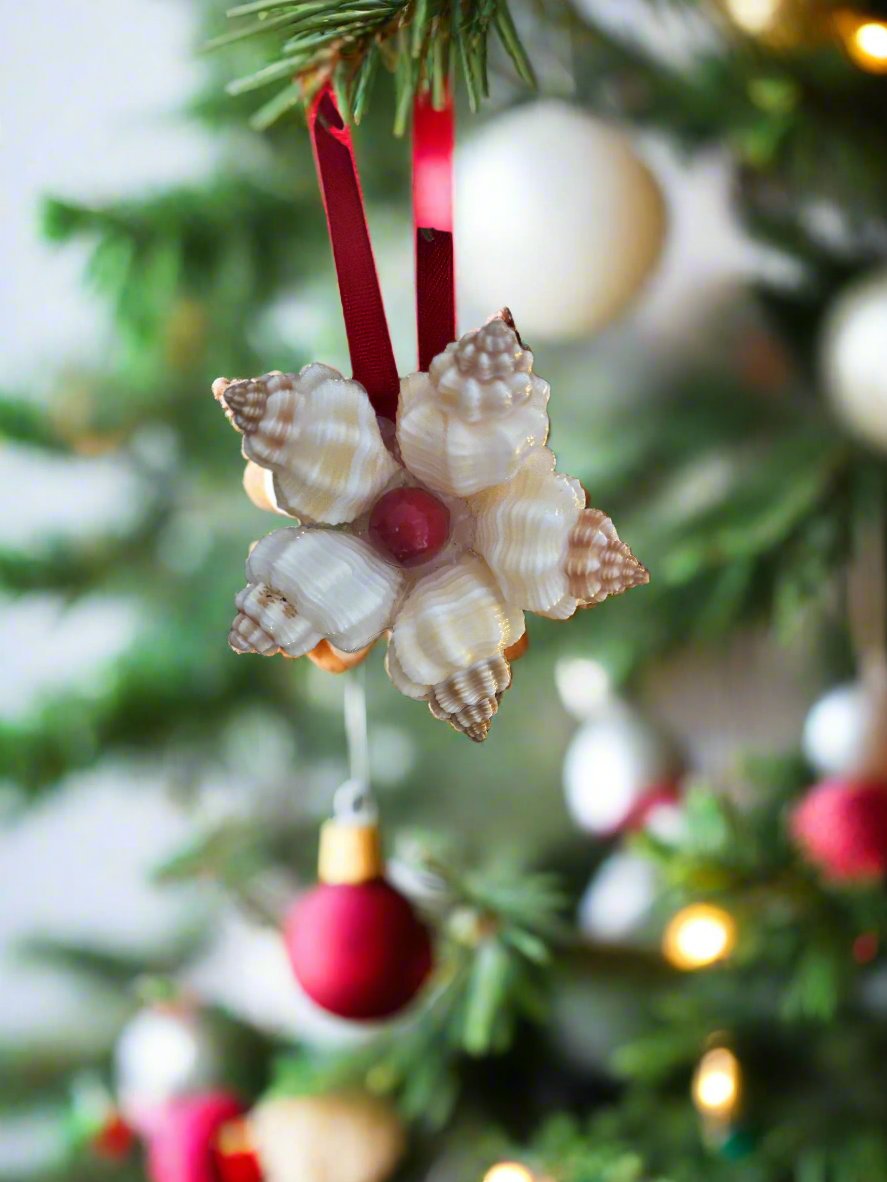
[(353, 801)]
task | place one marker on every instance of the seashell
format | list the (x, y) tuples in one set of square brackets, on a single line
[(459, 458), (486, 372), (258, 484), (448, 641), (267, 623), (308, 585), (399, 679), (333, 660), (470, 698), (598, 564), (523, 531), (318, 434)]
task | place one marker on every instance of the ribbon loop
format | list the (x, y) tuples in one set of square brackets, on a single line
[(433, 225), (369, 342)]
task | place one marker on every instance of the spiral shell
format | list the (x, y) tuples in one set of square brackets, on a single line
[(486, 372), (470, 698), (318, 434), (448, 641), (459, 458), (523, 531), (308, 585), (598, 563)]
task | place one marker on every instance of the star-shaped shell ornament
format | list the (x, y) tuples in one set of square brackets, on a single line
[(440, 533)]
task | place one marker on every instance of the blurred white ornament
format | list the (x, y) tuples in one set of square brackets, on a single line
[(584, 685), (166, 1051), (558, 218), (616, 764), (853, 358), (619, 898), (836, 728), (335, 1137)]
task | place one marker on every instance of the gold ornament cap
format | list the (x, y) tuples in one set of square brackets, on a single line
[(350, 852)]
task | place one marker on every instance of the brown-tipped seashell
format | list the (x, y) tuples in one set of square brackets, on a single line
[(448, 642), (318, 434), (458, 457), (469, 699), (333, 660), (598, 563), (523, 531), (334, 584), (267, 623), (486, 372)]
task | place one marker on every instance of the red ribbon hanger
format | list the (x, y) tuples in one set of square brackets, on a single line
[(433, 226), (369, 341)]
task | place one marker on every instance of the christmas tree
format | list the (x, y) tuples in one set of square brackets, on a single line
[(638, 933)]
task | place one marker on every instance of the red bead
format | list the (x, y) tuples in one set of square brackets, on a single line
[(358, 951), (410, 525), (841, 825)]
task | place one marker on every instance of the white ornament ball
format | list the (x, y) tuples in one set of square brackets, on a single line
[(612, 762), (336, 1137), (557, 218), (837, 729), (854, 358), (619, 898), (164, 1052)]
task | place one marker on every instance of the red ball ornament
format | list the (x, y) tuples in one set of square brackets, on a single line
[(841, 825), (355, 943), (409, 524), (182, 1139)]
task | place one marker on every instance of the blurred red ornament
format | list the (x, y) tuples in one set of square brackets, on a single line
[(114, 1138), (356, 945), (182, 1140), (841, 825), (865, 947), (665, 794), (235, 1154)]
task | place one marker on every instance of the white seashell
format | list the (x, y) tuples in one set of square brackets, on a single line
[(308, 585), (456, 457), (448, 641), (523, 531), (318, 434), (399, 679), (598, 564), (486, 372)]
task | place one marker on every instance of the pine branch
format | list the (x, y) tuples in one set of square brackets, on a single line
[(320, 43)]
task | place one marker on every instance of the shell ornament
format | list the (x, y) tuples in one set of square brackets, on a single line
[(440, 533)]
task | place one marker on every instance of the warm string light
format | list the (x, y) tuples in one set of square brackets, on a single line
[(717, 1085), (509, 1171), (865, 41), (698, 936)]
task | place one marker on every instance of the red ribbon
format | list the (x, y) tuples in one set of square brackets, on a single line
[(433, 224), (372, 358), (369, 342)]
